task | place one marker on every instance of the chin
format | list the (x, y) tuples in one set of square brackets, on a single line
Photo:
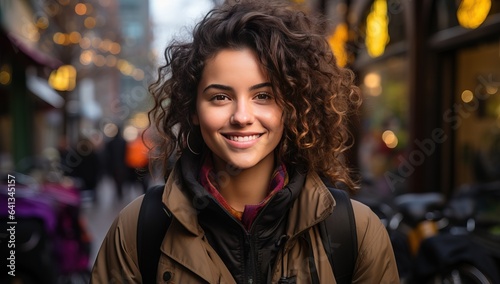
[(242, 165)]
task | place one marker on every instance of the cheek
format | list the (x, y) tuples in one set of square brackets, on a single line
[(209, 123), (278, 120)]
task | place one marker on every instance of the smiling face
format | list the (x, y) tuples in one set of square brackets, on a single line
[(236, 110)]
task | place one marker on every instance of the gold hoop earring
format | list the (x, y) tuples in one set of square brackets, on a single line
[(189, 147)]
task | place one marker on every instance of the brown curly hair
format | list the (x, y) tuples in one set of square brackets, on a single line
[(317, 96)]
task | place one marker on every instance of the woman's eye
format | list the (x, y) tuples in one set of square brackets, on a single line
[(219, 98), (263, 96)]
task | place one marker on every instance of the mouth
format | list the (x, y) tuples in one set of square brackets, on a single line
[(242, 138)]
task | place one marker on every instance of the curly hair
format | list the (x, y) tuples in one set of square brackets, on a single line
[(316, 95)]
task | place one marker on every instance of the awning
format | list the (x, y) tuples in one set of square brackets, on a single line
[(41, 89), (35, 55)]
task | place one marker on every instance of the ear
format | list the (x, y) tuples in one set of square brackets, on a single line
[(195, 119)]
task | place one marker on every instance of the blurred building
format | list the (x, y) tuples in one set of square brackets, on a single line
[(430, 76), (67, 69), (27, 102), (137, 39)]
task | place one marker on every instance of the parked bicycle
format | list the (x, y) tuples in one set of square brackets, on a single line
[(436, 240)]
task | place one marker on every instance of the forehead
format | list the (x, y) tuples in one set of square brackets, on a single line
[(232, 56), (234, 65)]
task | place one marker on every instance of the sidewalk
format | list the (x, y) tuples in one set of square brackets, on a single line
[(101, 214)]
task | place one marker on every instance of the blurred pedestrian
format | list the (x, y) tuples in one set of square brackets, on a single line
[(89, 170), (262, 110), (115, 161), (81, 162)]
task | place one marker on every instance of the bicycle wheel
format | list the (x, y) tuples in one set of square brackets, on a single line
[(462, 274)]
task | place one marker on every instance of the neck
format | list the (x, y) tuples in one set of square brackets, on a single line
[(244, 187)]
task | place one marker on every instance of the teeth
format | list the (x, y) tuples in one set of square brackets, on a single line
[(243, 138)]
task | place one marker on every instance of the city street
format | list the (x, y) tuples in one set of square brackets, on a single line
[(100, 215)]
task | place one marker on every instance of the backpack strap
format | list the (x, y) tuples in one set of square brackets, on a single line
[(152, 226), (338, 233)]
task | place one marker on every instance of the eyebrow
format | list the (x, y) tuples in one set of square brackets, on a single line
[(228, 88)]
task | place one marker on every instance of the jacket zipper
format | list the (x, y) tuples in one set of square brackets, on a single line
[(248, 248), (251, 262)]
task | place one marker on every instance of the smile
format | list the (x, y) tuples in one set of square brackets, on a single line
[(243, 138)]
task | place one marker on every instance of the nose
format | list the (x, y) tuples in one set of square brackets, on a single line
[(243, 114)]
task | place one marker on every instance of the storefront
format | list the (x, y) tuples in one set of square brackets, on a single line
[(430, 75), (30, 109)]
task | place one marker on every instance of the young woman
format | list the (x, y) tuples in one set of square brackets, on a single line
[(258, 111)]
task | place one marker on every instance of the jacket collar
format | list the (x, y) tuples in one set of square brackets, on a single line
[(314, 204), (306, 197), (178, 202)]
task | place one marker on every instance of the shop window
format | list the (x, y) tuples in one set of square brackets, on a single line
[(384, 133), (475, 114)]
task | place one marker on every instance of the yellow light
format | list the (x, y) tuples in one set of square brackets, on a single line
[(390, 139), (80, 9), (121, 63), (372, 80), (66, 39), (472, 13), (5, 75), (89, 22), (86, 57), (337, 43), (138, 74), (491, 89), (105, 45), (42, 23), (377, 31), (85, 43), (110, 130), (59, 38), (99, 60), (140, 120), (125, 67), (115, 48), (130, 133), (74, 37), (63, 79), (467, 96)]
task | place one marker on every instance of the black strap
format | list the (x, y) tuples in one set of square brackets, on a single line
[(338, 233), (150, 233)]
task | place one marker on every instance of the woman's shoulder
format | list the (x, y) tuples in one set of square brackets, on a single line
[(366, 219), (118, 251), (361, 210), (371, 233), (375, 262), (127, 219), (132, 209)]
